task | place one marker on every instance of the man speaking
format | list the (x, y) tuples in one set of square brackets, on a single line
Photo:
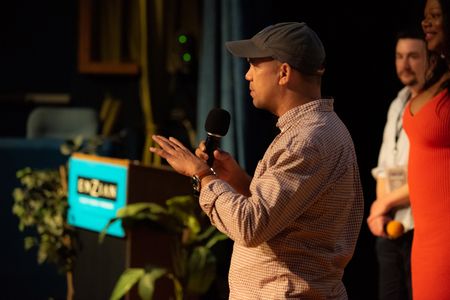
[(296, 221)]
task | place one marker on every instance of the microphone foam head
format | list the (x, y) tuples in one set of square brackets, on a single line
[(217, 122), (394, 229)]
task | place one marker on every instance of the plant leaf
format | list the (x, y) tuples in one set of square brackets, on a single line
[(30, 242), (206, 233), (183, 209), (22, 172), (102, 234), (201, 270), (183, 203), (217, 237), (146, 286), (178, 288), (131, 210), (141, 211), (126, 281)]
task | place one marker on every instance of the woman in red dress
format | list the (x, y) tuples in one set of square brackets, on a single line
[(427, 123)]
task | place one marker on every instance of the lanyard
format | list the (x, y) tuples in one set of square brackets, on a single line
[(399, 125)]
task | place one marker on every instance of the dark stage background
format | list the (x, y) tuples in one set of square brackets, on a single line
[(38, 53)]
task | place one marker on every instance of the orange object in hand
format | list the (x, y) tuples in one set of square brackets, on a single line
[(394, 229)]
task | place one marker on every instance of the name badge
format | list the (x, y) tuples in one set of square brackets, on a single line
[(396, 177)]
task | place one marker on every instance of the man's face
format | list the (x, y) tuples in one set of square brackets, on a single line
[(411, 61), (263, 76)]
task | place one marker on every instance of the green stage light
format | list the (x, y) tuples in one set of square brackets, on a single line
[(182, 39), (187, 57)]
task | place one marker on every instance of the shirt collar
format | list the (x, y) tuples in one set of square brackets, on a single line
[(293, 114)]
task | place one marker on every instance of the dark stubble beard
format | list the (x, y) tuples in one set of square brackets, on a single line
[(409, 82)]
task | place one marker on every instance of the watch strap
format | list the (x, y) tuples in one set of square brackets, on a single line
[(205, 173), (197, 179)]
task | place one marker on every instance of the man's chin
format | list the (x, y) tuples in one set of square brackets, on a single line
[(409, 81)]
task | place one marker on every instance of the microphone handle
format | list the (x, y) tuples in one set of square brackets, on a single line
[(211, 143)]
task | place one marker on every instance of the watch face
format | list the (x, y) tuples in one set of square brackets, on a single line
[(196, 183)]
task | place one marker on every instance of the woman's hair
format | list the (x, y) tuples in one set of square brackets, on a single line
[(445, 6), (439, 67)]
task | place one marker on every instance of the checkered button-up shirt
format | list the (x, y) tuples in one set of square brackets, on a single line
[(297, 231)]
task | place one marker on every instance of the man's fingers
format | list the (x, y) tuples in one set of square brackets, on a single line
[(202, 146), (164, 143), (177, 142), (200, 153), (160, 140), (159, 152)]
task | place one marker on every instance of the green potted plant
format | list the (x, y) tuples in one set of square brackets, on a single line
[(41, 206), (193, 262)]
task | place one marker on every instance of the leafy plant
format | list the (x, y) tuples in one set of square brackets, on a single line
[(81, 144), (41, 206), (193, 262)]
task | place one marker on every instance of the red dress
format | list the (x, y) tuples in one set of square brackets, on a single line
[(429, 185)]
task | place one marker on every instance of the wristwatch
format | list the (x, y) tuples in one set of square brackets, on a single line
[(197, 179)]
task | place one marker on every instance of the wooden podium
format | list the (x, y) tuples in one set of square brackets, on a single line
[(99, 266)]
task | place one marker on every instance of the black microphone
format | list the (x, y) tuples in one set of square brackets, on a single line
[(216, 126)]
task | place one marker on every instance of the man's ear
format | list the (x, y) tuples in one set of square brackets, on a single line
[(284, 73)]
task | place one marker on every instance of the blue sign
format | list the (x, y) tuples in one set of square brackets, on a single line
[(97, 189)]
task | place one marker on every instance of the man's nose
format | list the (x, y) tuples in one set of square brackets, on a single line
[(404, 62), (247, 75)]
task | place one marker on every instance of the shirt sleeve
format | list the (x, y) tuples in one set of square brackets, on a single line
[(380, 169), (386, 154), (283, 187)]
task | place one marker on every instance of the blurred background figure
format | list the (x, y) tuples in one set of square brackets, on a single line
[(392, 203)]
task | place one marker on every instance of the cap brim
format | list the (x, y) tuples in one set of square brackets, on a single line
[(247, 49)]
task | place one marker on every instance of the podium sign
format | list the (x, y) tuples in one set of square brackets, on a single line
[(98, 186), (97, 189)]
